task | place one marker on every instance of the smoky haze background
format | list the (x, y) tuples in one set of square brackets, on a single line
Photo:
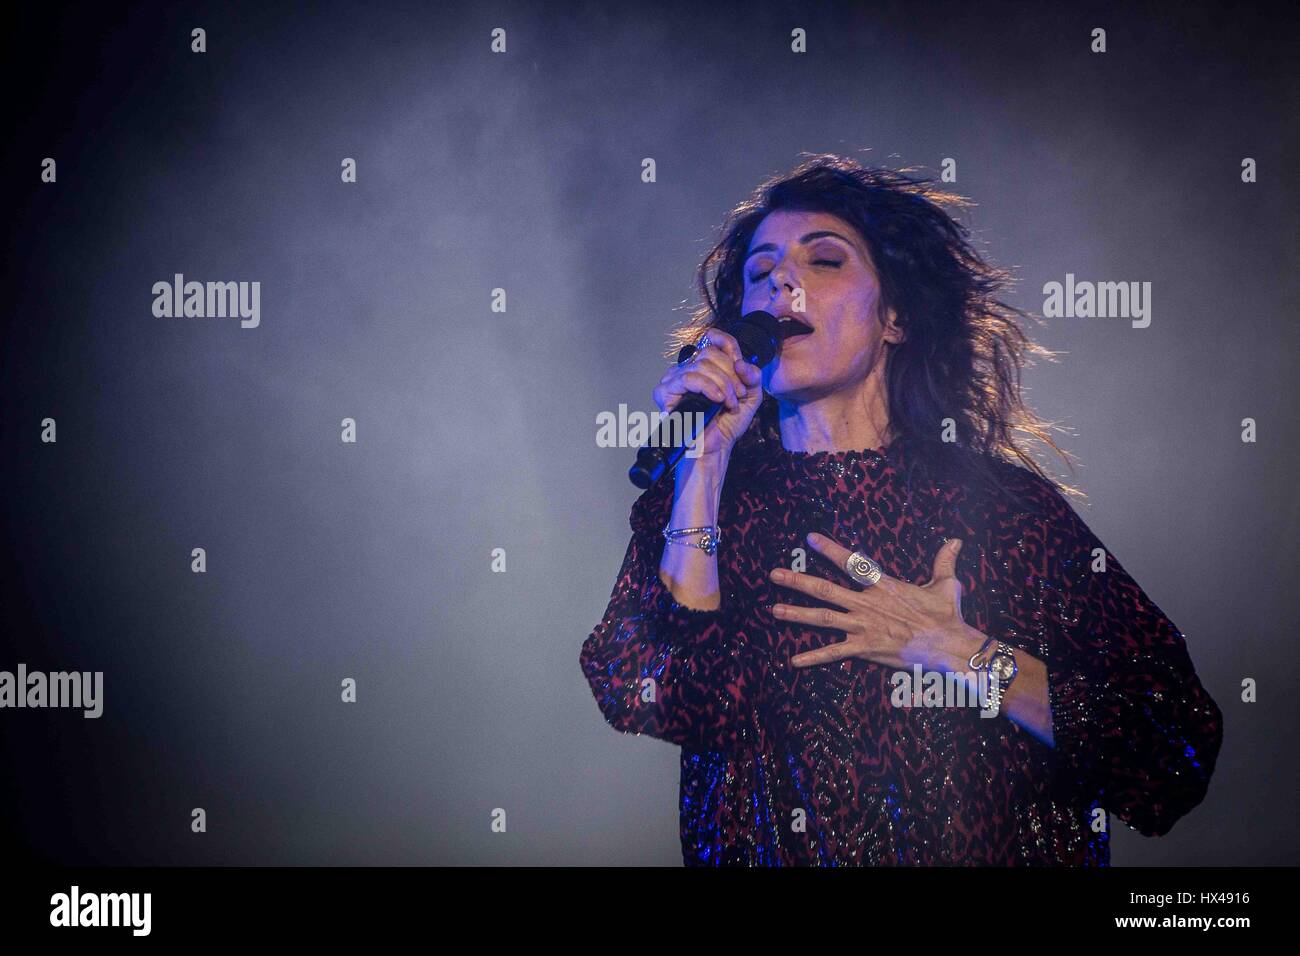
[(476, 430)]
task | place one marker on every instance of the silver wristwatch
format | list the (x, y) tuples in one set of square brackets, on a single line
[(1000, 665)]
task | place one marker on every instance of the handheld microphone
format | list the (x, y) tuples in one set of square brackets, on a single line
[(759, 335)]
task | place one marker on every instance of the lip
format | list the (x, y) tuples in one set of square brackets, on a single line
[(801, 319)]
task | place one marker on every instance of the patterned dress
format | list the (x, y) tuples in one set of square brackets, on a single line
[(819, 766)]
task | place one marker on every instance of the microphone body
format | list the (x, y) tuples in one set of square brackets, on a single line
[(759, 335)]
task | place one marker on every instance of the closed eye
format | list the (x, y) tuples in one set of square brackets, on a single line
[(757, 276)]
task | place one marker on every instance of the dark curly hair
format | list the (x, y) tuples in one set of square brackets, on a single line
[(963, 349)]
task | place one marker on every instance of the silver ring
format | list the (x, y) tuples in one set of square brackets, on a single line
[(703, 344), (862, 569)]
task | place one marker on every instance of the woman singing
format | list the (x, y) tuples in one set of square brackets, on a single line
[(876, 637)]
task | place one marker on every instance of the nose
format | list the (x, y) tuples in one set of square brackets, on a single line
[(780, 279), (780, 275)]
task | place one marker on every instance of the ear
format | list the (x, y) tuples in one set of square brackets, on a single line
[(895, 334)]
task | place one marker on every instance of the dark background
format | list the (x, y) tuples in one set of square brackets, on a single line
[(477, 429)]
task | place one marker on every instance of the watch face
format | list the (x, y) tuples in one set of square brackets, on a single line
[(1003, 667)]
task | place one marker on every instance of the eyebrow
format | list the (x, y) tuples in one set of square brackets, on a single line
[(769, 247)]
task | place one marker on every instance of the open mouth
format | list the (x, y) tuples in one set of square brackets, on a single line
[(790, 327)]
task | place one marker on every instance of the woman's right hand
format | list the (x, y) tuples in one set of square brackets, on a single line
[(720, 373)]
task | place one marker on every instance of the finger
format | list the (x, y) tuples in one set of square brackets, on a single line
[(725, 366), (668, 392), (825, 655), (708, 384), (838, 555), (726, 342), (945, 562), (697, 382), (816, 617), (817, 587), (706, 380), (751, 375)]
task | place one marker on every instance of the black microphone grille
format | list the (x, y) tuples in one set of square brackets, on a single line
[(758, 334)]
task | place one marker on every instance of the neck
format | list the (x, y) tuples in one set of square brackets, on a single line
[(848, 419)]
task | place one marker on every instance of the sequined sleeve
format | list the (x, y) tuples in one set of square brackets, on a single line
[(659, 668), (1132, 723)]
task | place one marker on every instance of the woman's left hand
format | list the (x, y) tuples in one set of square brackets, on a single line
[(892, 622)]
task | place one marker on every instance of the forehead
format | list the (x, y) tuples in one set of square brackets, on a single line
[(784, 226)]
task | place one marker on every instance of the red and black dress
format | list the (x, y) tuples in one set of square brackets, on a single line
[(816, 766)]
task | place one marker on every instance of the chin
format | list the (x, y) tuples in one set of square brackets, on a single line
[(795, 381)]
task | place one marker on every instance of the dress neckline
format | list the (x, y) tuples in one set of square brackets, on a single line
[(833, 463), (845, 454)]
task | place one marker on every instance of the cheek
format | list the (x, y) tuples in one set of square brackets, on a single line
[(857, 299), (853, 337), (753, 297)]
